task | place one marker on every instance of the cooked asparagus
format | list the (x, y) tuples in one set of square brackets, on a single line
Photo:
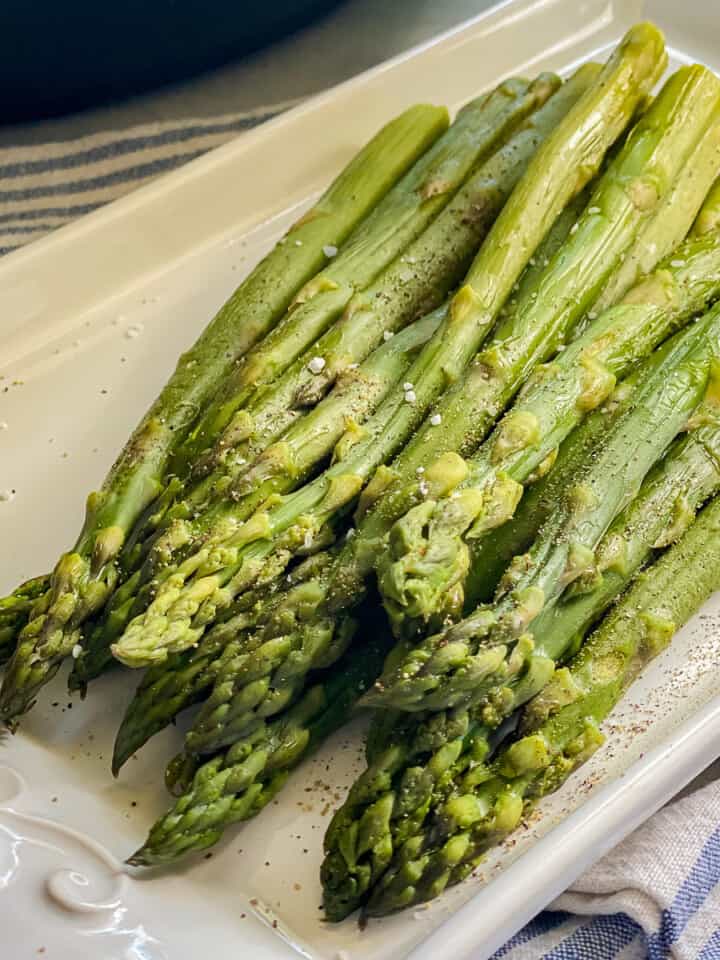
[(85, 577), (461, 663), (236, 784), (565, 161), (429, 549), (416, 760), (561, 726)]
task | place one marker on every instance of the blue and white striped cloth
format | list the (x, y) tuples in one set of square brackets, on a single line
[(655, 896), (44, 187)]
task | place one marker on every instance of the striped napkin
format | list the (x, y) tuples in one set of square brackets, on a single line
[(655, 896), (44, 187)]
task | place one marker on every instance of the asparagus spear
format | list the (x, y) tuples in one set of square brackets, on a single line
[(84, 577), (184, 678), (303, 446), (232, 705), (416, 759), (236, 784), (561, 726), (429, 549), (396, 221), (413, 283), (463, 662), (243, 681), (708, 220), (690, 193), (577, 145), (15, 610), (441, 252), (493, 554)]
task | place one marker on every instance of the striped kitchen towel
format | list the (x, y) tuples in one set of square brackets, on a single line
[(655, 896), (43, 187)]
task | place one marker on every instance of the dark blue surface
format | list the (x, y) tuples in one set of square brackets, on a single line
[(61, 55)]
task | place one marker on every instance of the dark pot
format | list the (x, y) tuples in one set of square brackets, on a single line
[(62, 55)]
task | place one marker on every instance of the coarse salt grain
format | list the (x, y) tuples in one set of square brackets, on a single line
[(316, 365), (677, 263), (298, 243), (134, 331), (436, 419), (330, 250), (420, 470), (388, 335), (6, 496), (407, 385), (410, 396), (593, 209), (307, 542), (574, 228), (3, 425), (76, 651), (353, 366), (424, 488)]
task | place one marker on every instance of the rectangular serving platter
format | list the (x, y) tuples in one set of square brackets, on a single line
[(92, 319)]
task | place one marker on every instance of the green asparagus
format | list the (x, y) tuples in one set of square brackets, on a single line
[(15, 610), (236, 784), (396, 221), (85, 577), (232, 705), (416, 279), (414, 282), (561, 726), (178, 616), (184, 678), (353, 398), (691, 193), (429, 549), (461, 663), (417, 758)]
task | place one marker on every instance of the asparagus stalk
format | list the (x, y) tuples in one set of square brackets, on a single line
[(429, 549), (303, 445), (416, 281), (184, 678), (236, 784), (168, 688), (416, 759), (232, 706), (397, 220), (15, 610), (690, 193), (438, 258), (413, 283), (561, 726), (493, 554), (243, 682), (577, 145), (84, 577), (708, 220), (462, 663)]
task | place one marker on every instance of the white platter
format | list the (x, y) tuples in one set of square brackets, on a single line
[(75, 381)]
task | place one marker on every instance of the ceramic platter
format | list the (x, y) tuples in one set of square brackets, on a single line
[(91, 322)]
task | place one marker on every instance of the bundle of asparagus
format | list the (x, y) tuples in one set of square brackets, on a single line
[(485, 368)]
